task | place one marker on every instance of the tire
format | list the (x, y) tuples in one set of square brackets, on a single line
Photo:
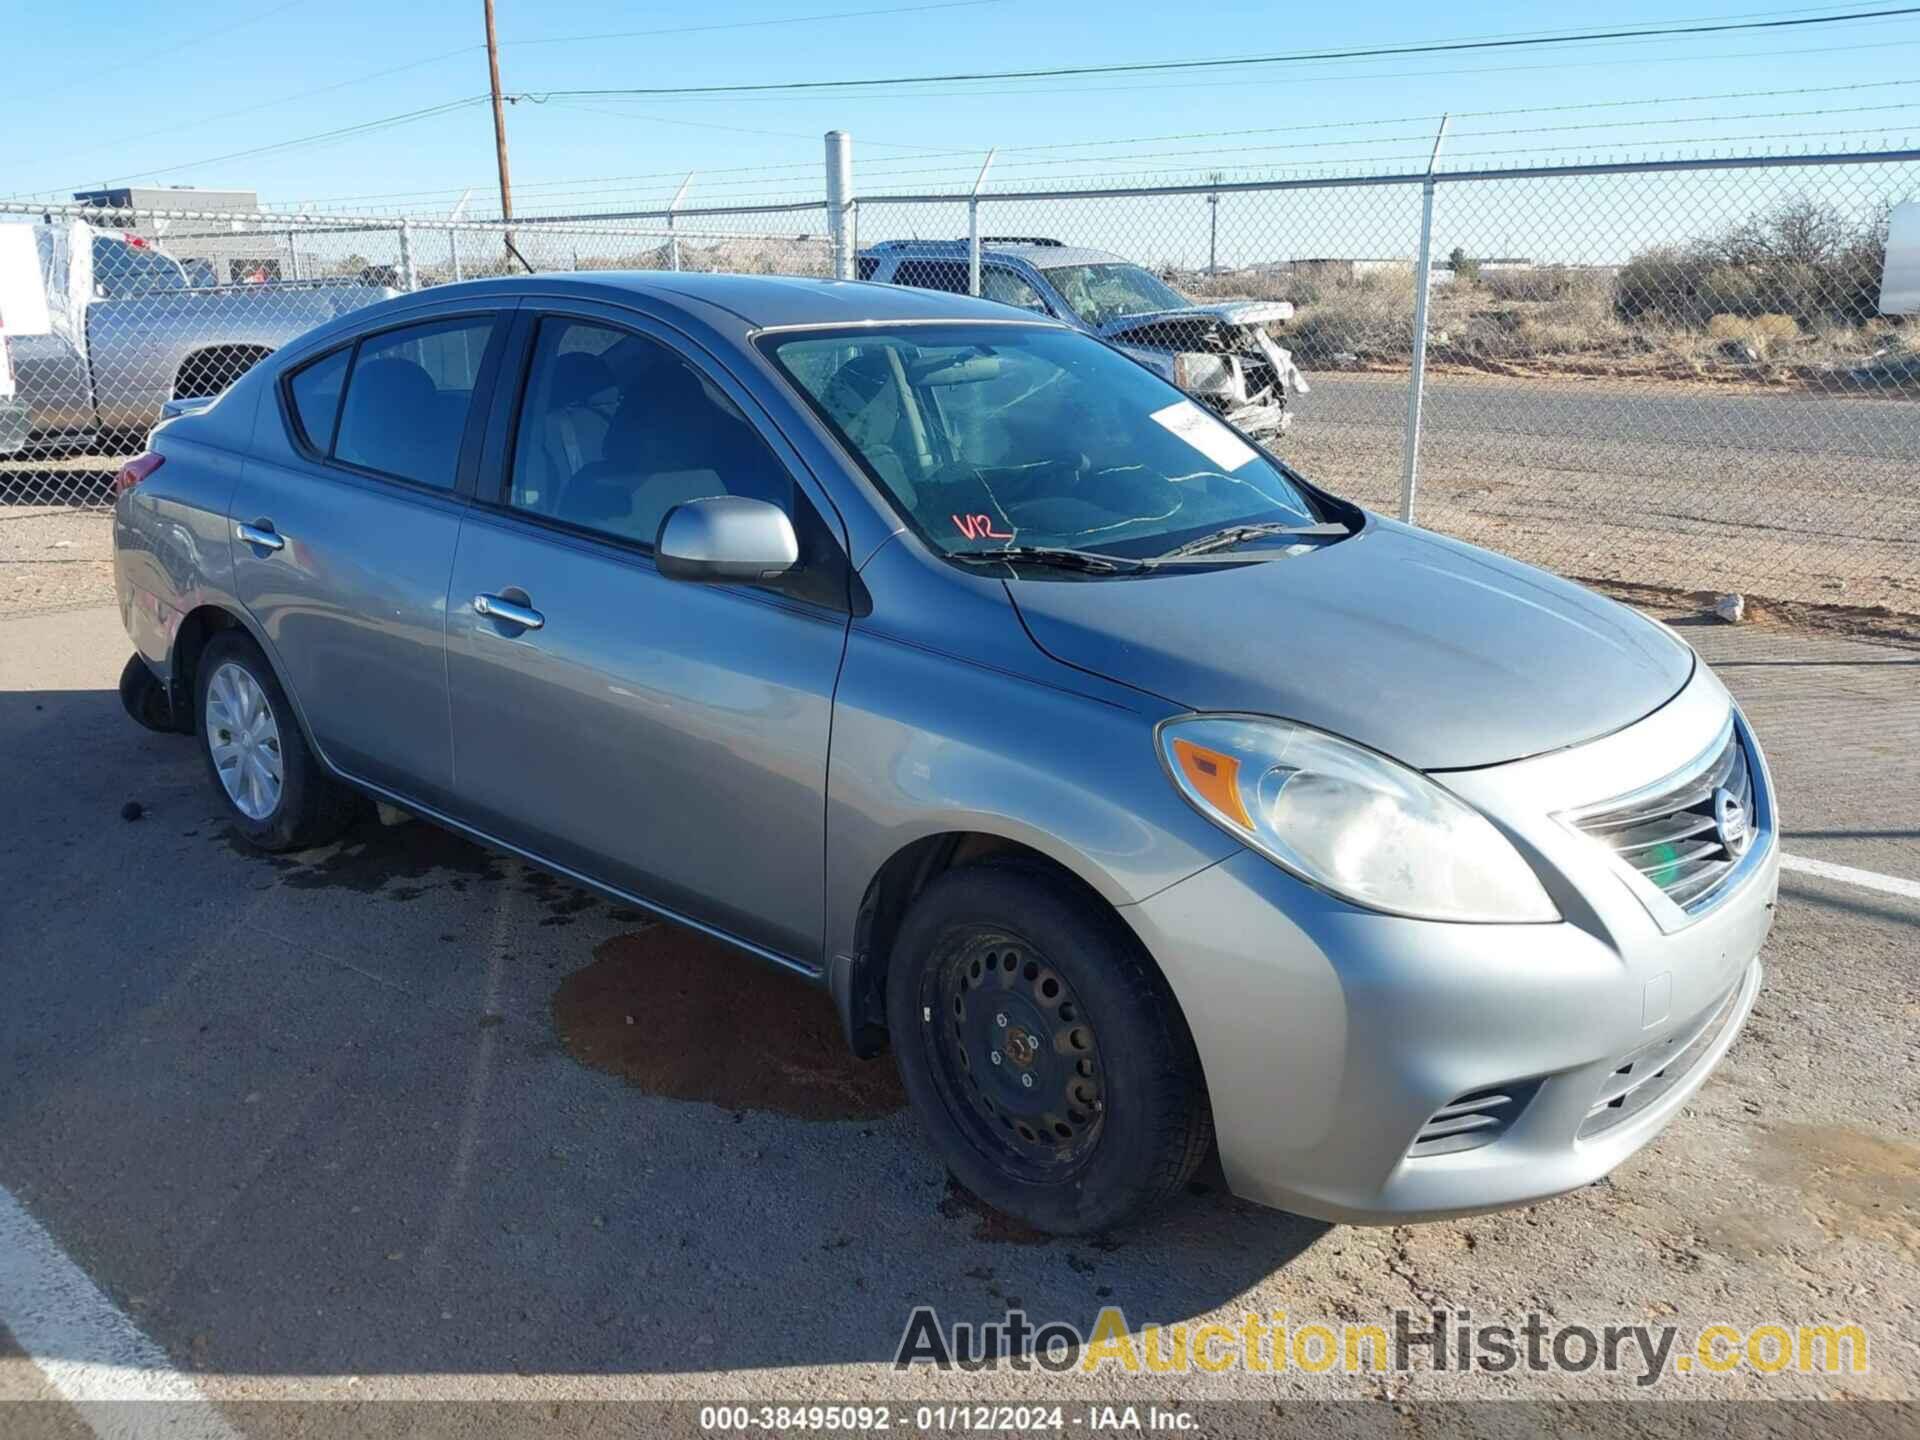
[(1116, 1120), (306, 807), (144, 697)]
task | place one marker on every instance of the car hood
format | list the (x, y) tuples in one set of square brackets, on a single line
[(1444, 656), (1231, 312)]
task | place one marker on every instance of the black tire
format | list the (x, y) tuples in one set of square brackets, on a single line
[(144, 697), (312, 807), (1117, 1119)]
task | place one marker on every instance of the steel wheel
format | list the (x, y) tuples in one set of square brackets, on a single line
[(244, 741), (1014, 1055)]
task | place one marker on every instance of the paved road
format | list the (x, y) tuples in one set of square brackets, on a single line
[(360, 1123), (1865, 425)]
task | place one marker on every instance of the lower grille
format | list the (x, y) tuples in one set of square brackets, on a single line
[(1477, 1118), (1687, 836), (1651, 1071)]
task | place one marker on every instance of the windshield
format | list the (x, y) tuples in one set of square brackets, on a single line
[(1099, 293), (987, 436)]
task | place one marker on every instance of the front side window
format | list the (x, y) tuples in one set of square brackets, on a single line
[(408, 398), (986, 436), (999, 283), (616, 429), (1099, 293)]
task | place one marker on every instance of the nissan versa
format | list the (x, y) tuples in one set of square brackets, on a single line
[(1135, 791)]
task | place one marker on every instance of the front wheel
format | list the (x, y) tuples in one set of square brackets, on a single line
[(276, 793), (1043, 1052)]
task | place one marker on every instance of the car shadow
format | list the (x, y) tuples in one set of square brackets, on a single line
[(406, 1105)]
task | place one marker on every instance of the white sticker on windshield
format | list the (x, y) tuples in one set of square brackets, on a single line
[(1205, 434)]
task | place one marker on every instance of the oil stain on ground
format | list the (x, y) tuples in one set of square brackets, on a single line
[(404, 862), (371, 856), (1854, 1185), (684, 1017)]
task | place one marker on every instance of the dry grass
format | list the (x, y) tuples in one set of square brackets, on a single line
[(1557, 319)]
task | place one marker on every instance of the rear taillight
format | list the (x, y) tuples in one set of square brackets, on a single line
[(136, 470)]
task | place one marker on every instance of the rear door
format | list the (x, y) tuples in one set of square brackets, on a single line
[(344, 526), (666, 738)]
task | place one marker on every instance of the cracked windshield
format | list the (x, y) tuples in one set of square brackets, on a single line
[(992, 437), (1099, 293)]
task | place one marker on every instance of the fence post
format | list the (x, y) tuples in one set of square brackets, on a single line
[(673, 241), (409, 278), (840, 202), (973, 224), (453, 253), (1417, 380)]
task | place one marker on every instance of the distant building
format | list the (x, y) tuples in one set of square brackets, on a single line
[(225, 251)]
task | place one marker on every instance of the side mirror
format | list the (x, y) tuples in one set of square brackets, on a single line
[(725, 538)]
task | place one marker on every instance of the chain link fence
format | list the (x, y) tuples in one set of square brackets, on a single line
[(108, 314), (1673, 374)]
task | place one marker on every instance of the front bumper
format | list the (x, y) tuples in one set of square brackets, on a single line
[(1337, 1042)]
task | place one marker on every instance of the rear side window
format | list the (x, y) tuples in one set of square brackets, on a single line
[(315, 391), (408, 399), (949, 275)]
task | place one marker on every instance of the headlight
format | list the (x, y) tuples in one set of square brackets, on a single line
[(1350, 821), (1198, 373)]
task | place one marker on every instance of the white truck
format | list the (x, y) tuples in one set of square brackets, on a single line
[(100, 328)]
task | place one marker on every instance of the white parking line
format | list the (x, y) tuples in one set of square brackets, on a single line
[(94, 1356), (1847, 875)]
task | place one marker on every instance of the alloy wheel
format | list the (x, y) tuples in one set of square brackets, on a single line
[(244, 741)]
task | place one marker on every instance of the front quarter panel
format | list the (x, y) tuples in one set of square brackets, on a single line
[(949, 719)]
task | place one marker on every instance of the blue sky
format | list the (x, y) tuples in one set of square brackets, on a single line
[(128, 88)]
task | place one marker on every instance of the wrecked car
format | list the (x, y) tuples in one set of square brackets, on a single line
[(1221, 354)]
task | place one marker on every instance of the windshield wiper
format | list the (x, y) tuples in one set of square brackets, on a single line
[(1239, 534), (1058, 556)]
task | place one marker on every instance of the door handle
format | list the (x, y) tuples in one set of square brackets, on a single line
[(262, 535), (494, 608)]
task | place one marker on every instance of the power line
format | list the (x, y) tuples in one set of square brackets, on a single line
[(385, 122), (896, 168), (1558, 66), (755, 24), (279, 101), (95, 75), (1145, 66)]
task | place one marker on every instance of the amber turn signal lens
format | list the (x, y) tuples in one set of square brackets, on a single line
[(1215, 776)]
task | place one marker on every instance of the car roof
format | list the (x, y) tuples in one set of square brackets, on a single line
[(750, 302)]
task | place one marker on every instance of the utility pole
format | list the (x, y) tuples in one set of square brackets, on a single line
[(499, 120)]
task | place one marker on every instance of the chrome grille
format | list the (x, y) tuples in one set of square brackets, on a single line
[(1673, 837)]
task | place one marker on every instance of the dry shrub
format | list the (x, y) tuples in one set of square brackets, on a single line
[(1758, 335), (1370, 316)]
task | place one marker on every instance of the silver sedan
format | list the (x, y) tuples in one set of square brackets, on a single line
[(1136, 792)]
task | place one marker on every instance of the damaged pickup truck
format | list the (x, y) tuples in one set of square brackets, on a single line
[(1221, 354)]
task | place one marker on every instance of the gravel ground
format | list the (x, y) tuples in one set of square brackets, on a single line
[(372, 1121), (54, 559)]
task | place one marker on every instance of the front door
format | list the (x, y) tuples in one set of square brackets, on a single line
[(665, 738), (345, 521)]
